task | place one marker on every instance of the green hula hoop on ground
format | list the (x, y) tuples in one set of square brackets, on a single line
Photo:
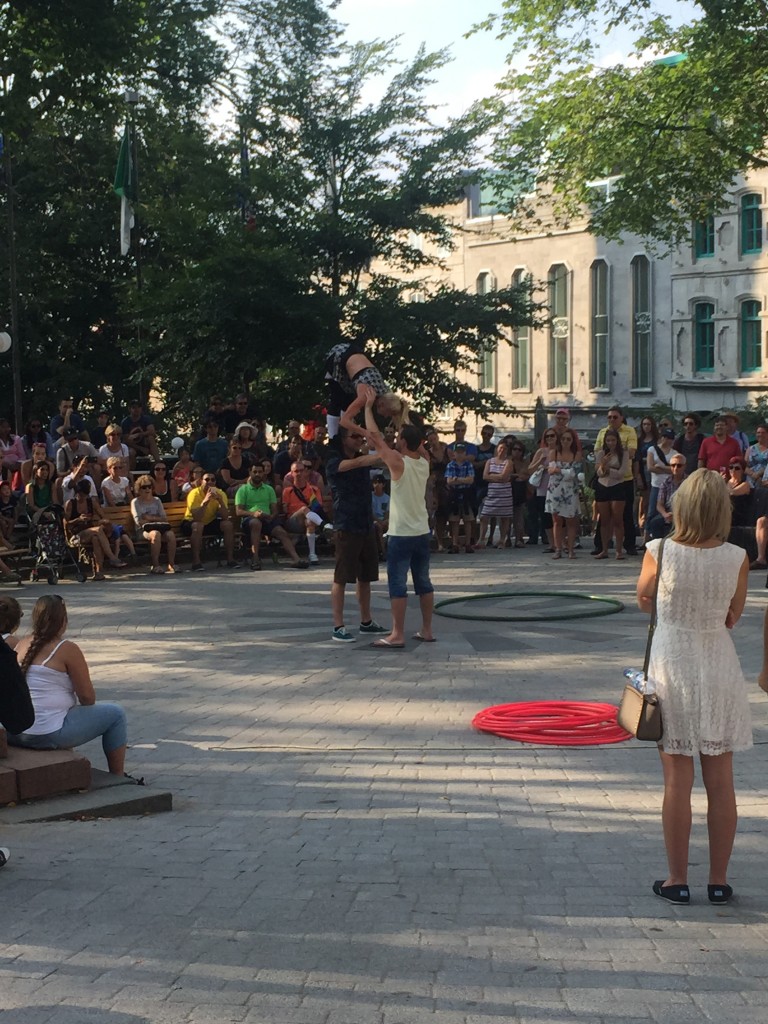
[(594, 606)]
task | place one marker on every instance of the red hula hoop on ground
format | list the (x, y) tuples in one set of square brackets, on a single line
[(558, 723)]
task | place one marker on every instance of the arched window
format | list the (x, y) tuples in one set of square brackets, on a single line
[(521, 352), (560, 329), (484, 286), (751, 223), (641, 323), (704, 238), (704, 336), (599, 325), (751, 340)]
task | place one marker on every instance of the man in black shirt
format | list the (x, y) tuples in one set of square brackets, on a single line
[(357, 557)]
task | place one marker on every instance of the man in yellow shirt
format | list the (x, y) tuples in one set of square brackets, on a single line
[(617, 421), (207, 515)]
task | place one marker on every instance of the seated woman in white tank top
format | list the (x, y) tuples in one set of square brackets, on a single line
[(66, 711)]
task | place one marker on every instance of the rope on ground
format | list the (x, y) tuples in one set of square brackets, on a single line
[(558, 723), (552, 606)]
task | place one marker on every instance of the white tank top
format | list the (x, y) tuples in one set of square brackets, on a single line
[(52, 696), (408, 505)]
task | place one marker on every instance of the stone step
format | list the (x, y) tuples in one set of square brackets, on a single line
[(44, 773)]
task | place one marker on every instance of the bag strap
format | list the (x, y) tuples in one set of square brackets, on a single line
[(299, 495), (652, 624), (661, 455)]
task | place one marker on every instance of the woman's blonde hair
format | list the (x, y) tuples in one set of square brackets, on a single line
[(701, 508), (145, 481), (398, 409), (114, 460)]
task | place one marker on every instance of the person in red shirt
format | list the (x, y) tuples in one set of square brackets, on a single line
[(717, 451), (303, 506)]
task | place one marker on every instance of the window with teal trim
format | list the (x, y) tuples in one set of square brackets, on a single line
[(751, 341), (560, 329), (704, 238), (751, 223), (704, 336), (488, 359), (641, 323), (599, 348), (521, 353)]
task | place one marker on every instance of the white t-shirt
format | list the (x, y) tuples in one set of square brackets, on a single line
[(105, 453), (117, 490)]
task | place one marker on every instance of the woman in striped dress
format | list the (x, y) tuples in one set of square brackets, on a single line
[(497, 473)]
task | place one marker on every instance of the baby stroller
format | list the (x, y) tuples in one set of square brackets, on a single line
[(53, 554)]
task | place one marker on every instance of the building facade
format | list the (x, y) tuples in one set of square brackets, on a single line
[(628, 326)]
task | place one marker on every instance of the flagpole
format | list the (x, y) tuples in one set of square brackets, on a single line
[(132, 98), (13, 286)]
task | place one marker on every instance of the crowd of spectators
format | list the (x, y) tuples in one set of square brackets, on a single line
[(493, 492)]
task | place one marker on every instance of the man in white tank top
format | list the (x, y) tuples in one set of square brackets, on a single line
[(408, 534)]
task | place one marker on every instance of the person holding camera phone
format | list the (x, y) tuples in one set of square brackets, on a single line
[(81, 470), (71, 449)]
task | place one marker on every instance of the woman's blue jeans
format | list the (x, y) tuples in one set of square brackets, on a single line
[(83, 723)]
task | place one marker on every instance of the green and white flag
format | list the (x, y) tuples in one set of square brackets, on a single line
[(126, 187)]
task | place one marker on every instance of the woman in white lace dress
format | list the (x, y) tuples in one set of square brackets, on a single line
[(701, 596)]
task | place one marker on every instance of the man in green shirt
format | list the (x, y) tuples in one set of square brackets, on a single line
[(256, 502)]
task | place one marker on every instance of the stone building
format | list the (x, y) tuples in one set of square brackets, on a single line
[(628, 326)]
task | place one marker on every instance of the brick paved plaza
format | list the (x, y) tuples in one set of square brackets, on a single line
[(344, 849)]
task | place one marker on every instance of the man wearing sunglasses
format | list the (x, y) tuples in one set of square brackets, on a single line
[(207, 515), (660, 521)]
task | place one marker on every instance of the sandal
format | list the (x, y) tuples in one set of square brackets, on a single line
[(98, 576)]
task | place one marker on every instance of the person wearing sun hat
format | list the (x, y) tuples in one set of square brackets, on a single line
[(732, 419)]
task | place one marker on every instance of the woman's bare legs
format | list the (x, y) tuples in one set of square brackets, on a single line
[(170, 543), (617, 525), (558, 528), (717, 773), (572, 526), (504, 523), (116, 760), (676, 814), (606, 526)]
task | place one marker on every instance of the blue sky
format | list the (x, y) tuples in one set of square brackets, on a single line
[(479, 61)]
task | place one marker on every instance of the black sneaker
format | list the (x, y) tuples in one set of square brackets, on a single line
[(198, 567)]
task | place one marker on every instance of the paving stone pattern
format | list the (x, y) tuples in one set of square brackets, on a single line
[(344, 849)]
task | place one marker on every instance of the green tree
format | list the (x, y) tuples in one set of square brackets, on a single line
[(349, 201), (673, 123), (62, 68)]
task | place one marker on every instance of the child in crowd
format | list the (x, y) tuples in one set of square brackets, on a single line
[(9, 510), (460, 482), (380, 504), (181, 474)]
